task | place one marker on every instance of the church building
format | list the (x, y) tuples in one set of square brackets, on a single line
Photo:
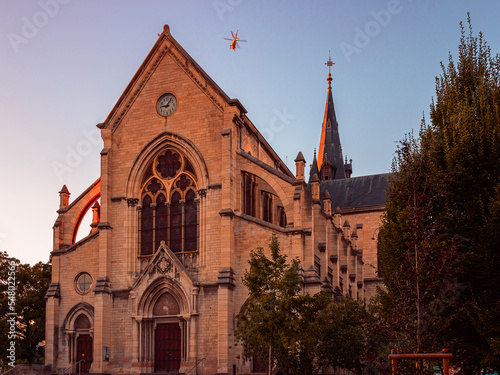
[(188, 187)]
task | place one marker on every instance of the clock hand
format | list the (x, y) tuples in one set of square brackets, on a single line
[(167, 104)]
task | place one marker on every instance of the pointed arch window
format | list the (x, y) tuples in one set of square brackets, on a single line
[(259, 199), (147, 226), (267, 207), (169, 207), (176, 222), (248, 194), (281, 216), (161, 220), (191, 221)]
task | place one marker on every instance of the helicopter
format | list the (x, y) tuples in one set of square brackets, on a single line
[(235, 40)]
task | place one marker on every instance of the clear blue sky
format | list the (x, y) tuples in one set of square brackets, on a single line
[(64, 63)]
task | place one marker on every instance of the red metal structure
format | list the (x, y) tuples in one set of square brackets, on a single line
[(444, 355)]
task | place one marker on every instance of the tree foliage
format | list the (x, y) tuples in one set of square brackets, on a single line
[(273, 315), (348, 337), (300, 333), (26, 305), (440, 241)]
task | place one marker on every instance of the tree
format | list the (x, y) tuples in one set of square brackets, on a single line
[(24, 307), (298, 332), (439, 239), (419, 258), (466, 133), (347, 337), (272, 325)]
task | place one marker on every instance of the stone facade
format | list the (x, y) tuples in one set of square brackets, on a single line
[(184, 197)]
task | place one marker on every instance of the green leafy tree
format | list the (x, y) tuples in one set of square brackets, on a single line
[(466, 134), (26, 305), (439, 239), (272, 317), (419, 259), (300, 333), (348, 337)]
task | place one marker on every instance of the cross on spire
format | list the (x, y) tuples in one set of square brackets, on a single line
[(329, 63)]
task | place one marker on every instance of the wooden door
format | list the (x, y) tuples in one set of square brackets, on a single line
[(168, 347), (84, 350)]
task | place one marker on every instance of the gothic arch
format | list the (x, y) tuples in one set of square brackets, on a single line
[(164, 315), (148, 153), (82, 214), (75, 212), (156, 290), (77, 310), (275, 182), (168, 204), (145, 170), (79, 334)]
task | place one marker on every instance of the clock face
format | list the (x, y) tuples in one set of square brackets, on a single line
[(166, 105)]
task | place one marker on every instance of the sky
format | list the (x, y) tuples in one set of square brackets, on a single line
[(65, 63)]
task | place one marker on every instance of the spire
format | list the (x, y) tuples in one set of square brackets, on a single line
[(329, 146), (314, 167)]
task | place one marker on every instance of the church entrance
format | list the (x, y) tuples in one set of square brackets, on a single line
[(167, 347), (84, 346)]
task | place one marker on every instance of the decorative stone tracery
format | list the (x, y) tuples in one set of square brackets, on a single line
[(169, 209), (164, 311)]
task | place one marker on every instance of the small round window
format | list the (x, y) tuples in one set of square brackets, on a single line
[(83, 283)]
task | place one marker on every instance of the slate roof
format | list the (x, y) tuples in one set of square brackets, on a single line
[(356, 192)]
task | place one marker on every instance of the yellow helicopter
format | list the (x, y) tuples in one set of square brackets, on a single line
[(235, 40)]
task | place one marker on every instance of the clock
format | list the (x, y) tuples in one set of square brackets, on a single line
[(166, 105)]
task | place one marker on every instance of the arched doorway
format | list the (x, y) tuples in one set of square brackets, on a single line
[(84, 344), (168, 334), (164, 323), (79, 335)]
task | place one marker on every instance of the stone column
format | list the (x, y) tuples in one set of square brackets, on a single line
[(52, 325), (225, 299)]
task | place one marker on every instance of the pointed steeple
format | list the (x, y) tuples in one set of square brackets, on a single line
[(314, 167), (329, 146)]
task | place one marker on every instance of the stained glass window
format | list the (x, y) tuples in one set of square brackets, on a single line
[(147, 226), (281, 216), (173, 217), (248, 194), (154, 186), (189, 168), (161, 220), (168, 164), (148, 173), (183, 182), (83, 283), (176, 223), (267, 205), (190, 231)]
